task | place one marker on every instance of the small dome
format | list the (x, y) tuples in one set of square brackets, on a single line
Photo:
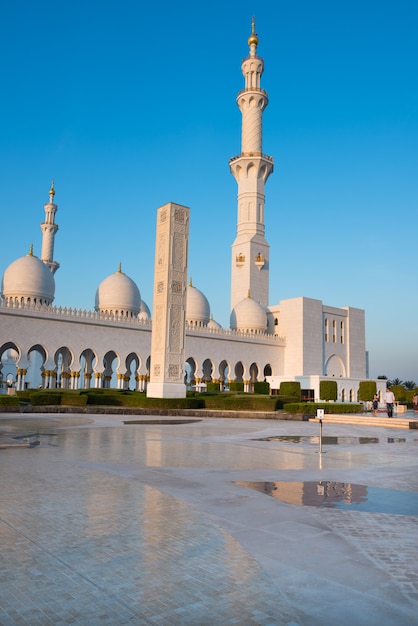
[(144, 312), (213, 325), (28, 279), (249, 316), (197, 307), (118, 294)]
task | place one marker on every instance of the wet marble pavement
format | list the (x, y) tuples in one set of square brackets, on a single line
[(106, 523)]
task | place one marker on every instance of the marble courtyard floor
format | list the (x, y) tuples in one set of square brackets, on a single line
[(222, 521)]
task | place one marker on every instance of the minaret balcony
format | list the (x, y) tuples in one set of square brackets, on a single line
[(252, 154), (239, 260), (259, 261)]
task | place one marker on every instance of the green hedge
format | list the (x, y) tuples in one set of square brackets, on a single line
[(9, 400), (169, 403), (237, 387), (366, 390), (400, 392), (262, 387), (244, 402), (212, 387), (71, 399), (290, 389), (328, 389), (309, 408), (45, 398)]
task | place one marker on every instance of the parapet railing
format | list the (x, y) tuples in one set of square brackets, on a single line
[(84, 314)]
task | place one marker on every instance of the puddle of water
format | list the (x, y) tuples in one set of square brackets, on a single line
[(331, 441), (9, 440), (336, 495)]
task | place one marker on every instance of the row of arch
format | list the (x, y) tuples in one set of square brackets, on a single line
[(63, 370)]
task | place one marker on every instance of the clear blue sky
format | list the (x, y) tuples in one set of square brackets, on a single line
[(129, 105)]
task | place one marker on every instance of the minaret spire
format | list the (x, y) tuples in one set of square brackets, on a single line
[(49, 228), (251, 169)]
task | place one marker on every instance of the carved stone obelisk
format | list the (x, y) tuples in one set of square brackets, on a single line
[(169, 308)]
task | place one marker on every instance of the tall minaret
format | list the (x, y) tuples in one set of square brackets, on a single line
[(251, 168), (49, 228)]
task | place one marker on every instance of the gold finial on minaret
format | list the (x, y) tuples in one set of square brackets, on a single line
[(253, 39), (52, 191)]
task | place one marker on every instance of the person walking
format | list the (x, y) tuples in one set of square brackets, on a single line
[(415, 402), (390, 401)]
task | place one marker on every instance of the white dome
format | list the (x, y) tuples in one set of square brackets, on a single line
[(144, 312), (28, 279), (118, 294), (214, 325), (197, 307), (249, 316)]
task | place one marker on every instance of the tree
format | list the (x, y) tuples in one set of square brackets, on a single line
[(395, 381), (409, 384)]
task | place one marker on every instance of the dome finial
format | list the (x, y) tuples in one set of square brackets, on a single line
[(191, 282), (31, 250), (253, 39), (120, 268), (249, 294)]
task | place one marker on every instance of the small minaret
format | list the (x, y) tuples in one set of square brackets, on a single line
[(49, 228), (251, 168)]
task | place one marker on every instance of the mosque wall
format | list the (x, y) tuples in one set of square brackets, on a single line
[(72, 333)]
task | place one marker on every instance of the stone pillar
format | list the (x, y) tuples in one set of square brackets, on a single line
[(169, 309)]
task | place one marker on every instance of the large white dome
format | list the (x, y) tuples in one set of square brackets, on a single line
[(249, 316), (197, 307), (118, 294), (28, 279)]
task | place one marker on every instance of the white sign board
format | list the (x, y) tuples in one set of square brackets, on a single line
[(320, 414)]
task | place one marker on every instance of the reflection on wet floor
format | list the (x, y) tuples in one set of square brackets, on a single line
[(337, 495), (24, 440), (332, 441)]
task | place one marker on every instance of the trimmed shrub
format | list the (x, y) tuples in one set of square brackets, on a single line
[(105, 399), (71, 399), (366, 391), (212, 387), (9, 400), (262, 387), (236, 387), (244, 402), (309, 408), (172, 403), (409, 394), (328, 389), (46, 398), (290, 389), (400, 392)]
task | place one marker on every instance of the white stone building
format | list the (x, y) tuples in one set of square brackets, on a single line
[(298, 339)]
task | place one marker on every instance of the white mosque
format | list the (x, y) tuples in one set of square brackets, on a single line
[(301, 339)]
